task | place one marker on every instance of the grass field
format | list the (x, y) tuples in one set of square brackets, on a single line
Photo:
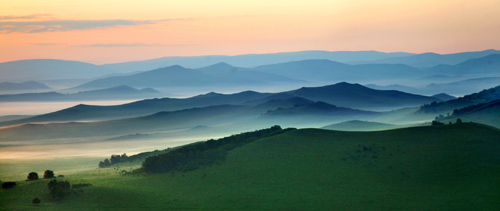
[(449, 167)]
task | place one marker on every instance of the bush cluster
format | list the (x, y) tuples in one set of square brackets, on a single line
[(115, 159)]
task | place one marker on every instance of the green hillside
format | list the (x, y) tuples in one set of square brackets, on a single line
[(448, 167), (358, 125)]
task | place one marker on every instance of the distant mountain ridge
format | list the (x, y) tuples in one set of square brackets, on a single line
[(50, 69), (118, 92), (327, 71), (178, 76), (484, 96), (489, 64), (252, 60), (427, 60), (353, 96), (312, 71), (25, 86), (358, 96)]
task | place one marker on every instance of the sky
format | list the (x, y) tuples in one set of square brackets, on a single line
[(114, 31)]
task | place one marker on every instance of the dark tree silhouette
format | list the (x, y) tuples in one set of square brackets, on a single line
[(434, 123), (36, 201), (58, 189), (107, 163), (32, 176), (49, 174), (459, 121), (6, 185)]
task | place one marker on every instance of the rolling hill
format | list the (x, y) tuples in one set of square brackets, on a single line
[(331, 71), (452, 167), (357, 125), (49, 69), (432, 59), (464, 87), (483, 66), (294, 111), (113, 93), (29, 86), (178, 76), (358, 96), (342, 94), (485, 113), (484, 96)]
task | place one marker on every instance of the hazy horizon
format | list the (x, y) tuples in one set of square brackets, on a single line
[(96, 32)]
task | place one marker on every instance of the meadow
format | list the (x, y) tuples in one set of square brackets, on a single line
[(451, 167)]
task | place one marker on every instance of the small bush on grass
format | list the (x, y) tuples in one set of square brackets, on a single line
[(6, 185), (36, 201)]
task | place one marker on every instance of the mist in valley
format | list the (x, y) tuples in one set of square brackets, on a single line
[(354, 105)]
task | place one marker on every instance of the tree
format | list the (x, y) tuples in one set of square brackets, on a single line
[(124, 157), (58, 189), (49, 174), (107, 163), (115, 159), (459, 121), (36, 201), (32, 176)]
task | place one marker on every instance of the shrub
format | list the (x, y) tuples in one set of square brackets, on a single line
[(434, 123), (32, 176), (6, 185), (81, 185), (49, 174), (36, 201)]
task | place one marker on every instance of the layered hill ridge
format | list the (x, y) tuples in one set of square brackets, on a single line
[(484, 96), (357, 125), (489, 65), (178, 76), (252, 60), (49, 69), (432, 59), (358, 96), (118, 92), (28, 86), (347, 95), (485, 113)]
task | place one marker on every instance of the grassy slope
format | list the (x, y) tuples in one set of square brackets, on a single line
[(450, 167), (357, 125)]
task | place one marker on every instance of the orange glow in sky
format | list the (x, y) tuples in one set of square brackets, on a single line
[(111, 31)]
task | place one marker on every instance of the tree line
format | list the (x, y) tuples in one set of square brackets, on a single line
[(115, 159)]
